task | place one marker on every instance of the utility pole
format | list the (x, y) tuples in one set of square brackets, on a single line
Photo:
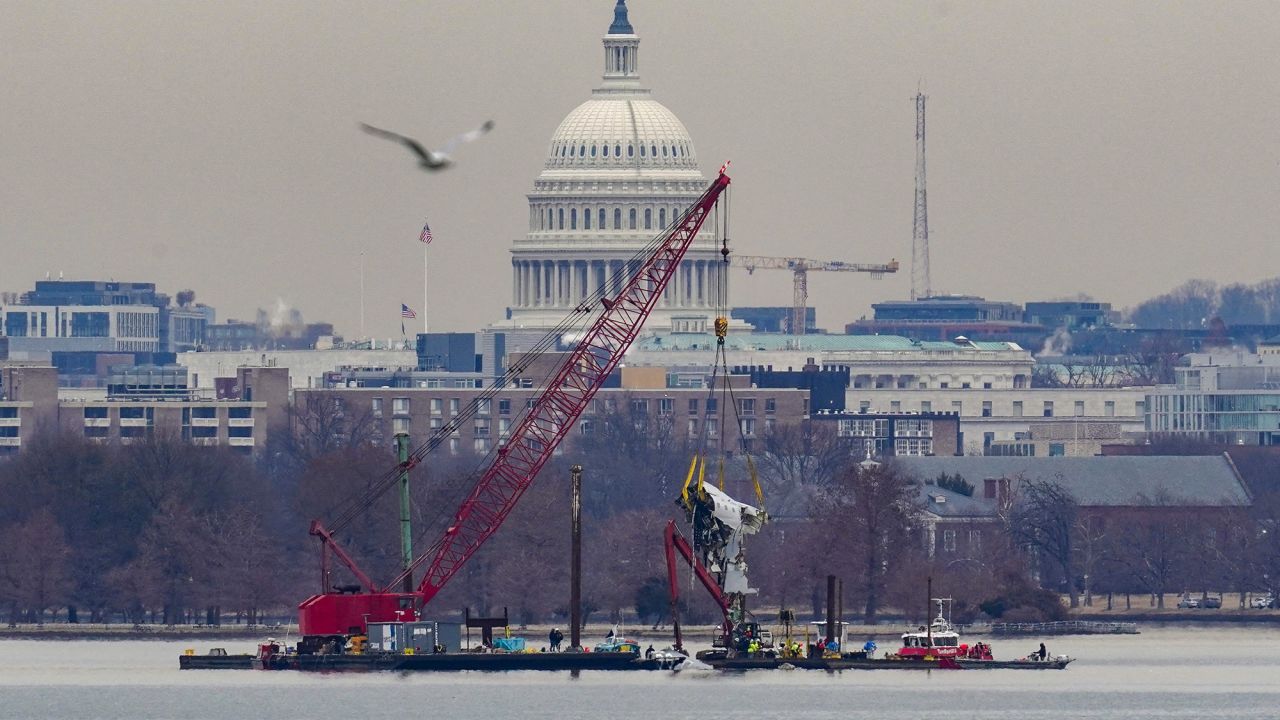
[(920, 283), (406, 535), (575, 562)]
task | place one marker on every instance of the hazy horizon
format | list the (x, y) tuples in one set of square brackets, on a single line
[(1106, 148)]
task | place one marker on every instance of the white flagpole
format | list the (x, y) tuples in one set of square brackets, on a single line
[(426, 323), (362, 335)]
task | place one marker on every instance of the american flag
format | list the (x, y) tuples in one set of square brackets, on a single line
[(407, 312), (426, 234)]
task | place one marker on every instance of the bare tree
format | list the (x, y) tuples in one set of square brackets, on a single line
[(870, 511), (1043, 517)]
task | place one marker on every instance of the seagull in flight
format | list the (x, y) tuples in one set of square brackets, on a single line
[(431, 160)]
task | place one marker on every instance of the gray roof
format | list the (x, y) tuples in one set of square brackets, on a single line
[(955, 505), (1104, 480)]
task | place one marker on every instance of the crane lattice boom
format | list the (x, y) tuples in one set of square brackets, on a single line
[(530, 444)]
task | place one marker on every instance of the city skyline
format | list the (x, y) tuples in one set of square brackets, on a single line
[(1114, 150)]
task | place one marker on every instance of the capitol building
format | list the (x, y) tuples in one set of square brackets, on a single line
[(620, 168)]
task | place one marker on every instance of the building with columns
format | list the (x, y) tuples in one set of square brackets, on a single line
[(620, 168)]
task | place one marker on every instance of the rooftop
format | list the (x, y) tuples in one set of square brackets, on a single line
[(815, 343), (1113, 481)]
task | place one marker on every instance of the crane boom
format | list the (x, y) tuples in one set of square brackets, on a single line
[(531, 442), (800, 268)]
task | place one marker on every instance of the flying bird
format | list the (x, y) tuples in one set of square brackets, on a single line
[(431, 159)]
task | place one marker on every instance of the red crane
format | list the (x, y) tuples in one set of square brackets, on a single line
[(517, 463)]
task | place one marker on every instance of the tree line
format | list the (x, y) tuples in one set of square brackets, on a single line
[(168, 532)]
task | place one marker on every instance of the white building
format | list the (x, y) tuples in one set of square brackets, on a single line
[(619, 169), (1056, 421), (307, 368), (42, 329), (1228, 397), (873, 361)]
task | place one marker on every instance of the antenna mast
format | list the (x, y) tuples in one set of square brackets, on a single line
[(920, 284)]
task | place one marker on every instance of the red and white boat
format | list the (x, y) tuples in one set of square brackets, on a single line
[(939, 639)]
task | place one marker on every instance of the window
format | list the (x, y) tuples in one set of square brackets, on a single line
[(8, 412), (632, 218), (400, 406), (1057, 449), (601, 216), (648, 219), (593, 151), (617, 150), (243, 413), (895, 406), (561, 213), (693, 406), (926, 406), (573, 218), (770, 406), (986, 386), (436, 423), (400, 425), (957, 406), (693, 427), (1048, 408), (134, 431), (642, 148), (101, 432), (504, 427), (666, 406), (975, 542), (712, 406), (455, 445), (617, 219), (748, 427), (203, 431), (453, 406), (944, 385), (747, 406), (206, 413), (586, 218), (986, 408), (640, 407), (631, 150), (662, 217), (1017, 408), (987, 439), (240, 432), (1109, 408), (482, 444), (1139, 407), (481, 428), (133, 413), (964, 386), (551, 221), (483, 406), (949, 540), (1079, 408), (504, 407)]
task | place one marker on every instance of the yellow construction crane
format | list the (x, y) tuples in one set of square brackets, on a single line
[(800, 268)]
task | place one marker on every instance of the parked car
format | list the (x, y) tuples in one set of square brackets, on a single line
[(1211, 602), (1262, 601), (1188, 602)]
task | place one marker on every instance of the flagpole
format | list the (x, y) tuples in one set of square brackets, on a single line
[(362, 335), (426, 322)]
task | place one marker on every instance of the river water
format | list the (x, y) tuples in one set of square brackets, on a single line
[(1210, 672)]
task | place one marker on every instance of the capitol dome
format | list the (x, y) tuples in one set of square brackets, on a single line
[(613, 132), (619, 170)]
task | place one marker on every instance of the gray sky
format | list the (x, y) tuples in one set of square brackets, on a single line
[(1111, 148)]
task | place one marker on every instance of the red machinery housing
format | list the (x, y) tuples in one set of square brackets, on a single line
[(528, 448)]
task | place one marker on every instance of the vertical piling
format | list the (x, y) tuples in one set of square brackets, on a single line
[(575, 562), (831, 608), (406, 534)]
